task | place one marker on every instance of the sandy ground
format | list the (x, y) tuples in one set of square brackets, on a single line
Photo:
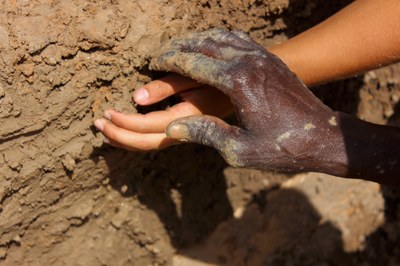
[(67, 200)]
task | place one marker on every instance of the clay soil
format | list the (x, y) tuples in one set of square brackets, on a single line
[(65, 199)]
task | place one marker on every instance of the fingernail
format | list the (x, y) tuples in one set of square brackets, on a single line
[(141, 95), (107, 115), (99, 124), (106, 140), (178, 131)]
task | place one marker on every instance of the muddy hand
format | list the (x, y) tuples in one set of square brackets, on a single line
[(282, 125)]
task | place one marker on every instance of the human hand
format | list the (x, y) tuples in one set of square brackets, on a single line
[(282, 125), (145, 132)]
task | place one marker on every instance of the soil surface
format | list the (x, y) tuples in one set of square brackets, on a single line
[(65, 199)]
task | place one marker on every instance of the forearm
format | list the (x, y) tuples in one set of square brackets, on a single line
[(362, 150), (362, 36)]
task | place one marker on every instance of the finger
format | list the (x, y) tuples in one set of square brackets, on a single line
[(246, 37), (242, 35), (153, 122), (132, 140), (163, 144), (192, 41), (158, 90), (209, 131), (225, 51), (208, 100), (117, 145), (196, 66), (216, 43)]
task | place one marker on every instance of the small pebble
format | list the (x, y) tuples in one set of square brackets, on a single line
[(238, 213), (124, 189), (28, 69)]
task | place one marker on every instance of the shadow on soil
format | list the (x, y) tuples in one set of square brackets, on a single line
[(186, 187)]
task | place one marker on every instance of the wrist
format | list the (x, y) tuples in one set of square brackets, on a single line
[(326, 148), (358, 149), (294, 53)]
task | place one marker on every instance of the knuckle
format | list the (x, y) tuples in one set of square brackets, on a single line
[(204, 131), (184, 110), (233, 147), (232, 152), (122, 121), (111, 134), (157, 91), (142, 126), (256, 60)]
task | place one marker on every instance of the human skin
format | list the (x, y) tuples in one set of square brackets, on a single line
[(363, 36), (329, 60)]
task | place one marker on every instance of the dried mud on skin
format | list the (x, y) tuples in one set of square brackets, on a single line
[(66, 200)]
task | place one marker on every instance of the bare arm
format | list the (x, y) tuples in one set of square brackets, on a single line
[(360, 37)]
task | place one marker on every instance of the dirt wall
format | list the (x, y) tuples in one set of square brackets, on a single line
[(67, 200)]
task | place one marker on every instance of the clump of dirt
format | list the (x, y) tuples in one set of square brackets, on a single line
[(67, 200)]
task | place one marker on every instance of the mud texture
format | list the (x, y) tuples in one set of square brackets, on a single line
[(67, 200)]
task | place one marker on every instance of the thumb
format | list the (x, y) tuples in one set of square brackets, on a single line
[(209, 131)]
